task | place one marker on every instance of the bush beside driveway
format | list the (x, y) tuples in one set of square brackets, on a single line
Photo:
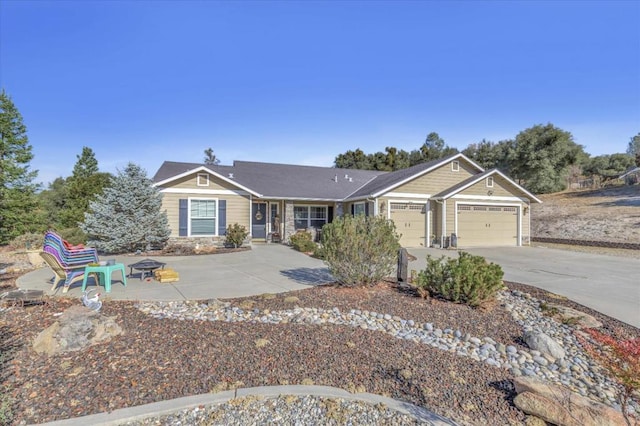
[(607, 284)]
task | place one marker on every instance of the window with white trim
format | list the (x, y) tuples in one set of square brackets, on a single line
[(203, 179), (305, 217), (455, 166), (490, 182), (203, 217), (359, 208)]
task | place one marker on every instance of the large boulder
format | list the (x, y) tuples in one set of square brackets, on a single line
[(543, 343), (560, 406), (577, 318), (77, 328)]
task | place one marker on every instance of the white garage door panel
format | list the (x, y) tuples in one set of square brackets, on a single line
[(480, 225), (410, 220)]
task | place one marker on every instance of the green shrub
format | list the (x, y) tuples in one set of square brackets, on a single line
[(318, 252), (301, 241), (236, 235), (360, 250), (468, 279)]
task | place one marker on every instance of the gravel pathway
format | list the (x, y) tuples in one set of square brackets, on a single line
[(288, 410), (159, 358)]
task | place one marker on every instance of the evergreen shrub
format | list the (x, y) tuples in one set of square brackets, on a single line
[(127, 216), (360, 250), (468, 279), (236, 235), (301, 241)]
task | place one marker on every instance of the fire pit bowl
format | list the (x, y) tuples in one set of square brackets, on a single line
[(146, 267)]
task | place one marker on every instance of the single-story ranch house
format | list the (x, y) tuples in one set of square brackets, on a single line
[(428, 202)]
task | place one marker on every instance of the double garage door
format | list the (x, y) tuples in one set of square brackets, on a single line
[(478, 225), (482, 225)]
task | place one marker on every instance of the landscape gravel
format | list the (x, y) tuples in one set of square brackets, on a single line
[(285, 410), (575, 370), (453, 360)]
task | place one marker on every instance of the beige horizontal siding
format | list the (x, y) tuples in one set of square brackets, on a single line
[(438, 180), (501, 187), (191, 182), (237, 210)]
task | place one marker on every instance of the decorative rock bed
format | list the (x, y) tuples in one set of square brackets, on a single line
[(575, 370)]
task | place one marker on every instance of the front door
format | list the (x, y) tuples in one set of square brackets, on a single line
[(259, 220)]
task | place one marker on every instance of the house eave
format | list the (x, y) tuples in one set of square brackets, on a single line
[(483, 176), (206, 169), (425, 171), (278, 197)]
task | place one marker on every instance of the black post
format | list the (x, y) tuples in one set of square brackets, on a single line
[(403, 265)]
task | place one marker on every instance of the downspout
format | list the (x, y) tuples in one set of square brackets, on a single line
[(251, 216), (528, 214), (428, 233)]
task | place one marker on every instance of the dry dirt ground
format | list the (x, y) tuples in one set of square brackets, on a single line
[(608, 214)]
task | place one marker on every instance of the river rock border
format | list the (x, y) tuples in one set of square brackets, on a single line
[(575, 371)]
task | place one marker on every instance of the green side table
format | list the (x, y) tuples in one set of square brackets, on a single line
[(106, 272)]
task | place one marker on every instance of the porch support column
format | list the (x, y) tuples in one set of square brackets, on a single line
[(289, 223)]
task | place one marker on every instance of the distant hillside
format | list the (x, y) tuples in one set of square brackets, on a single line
[(608, 214)]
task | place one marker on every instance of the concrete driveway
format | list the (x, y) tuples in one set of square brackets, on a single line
[(272, 268), (608, 284)]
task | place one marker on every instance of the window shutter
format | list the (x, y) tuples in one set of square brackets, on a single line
[(329, 214), (183, 217), (222, 217), (366, 208), (353, 209)]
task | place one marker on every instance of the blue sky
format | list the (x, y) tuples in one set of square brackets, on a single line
[(300, 82)]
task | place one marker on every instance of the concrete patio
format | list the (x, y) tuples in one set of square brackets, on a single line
[(271, 268)]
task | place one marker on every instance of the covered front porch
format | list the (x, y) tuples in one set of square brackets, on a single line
[(274, 220)]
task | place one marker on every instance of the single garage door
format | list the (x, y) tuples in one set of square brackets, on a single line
[(487, 225), (410, 220)]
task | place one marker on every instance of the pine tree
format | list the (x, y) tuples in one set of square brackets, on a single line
[(18, 200), (82, 187), (210, 158), (127, 216)]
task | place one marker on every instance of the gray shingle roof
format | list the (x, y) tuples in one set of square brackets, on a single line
[(288, 181), (291, 181), (272, 180), (170, 169)]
